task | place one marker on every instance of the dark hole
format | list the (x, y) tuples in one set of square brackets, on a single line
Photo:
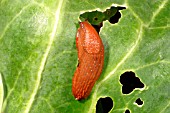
[(95, 18), (139, 101), (130, 82), (104, 105), (121, 8), (114, 19), (97, 27), (127, 111)]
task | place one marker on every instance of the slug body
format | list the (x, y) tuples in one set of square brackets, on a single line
[(91, 59)]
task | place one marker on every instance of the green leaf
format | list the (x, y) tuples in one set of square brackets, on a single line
[(38, 56), (94, 17)]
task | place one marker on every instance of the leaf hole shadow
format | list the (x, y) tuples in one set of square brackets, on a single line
[(104, 105), (127, 111), (129, 82), (139, 102), (96, 18)]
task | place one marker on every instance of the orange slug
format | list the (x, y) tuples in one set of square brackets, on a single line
[(90, 60)]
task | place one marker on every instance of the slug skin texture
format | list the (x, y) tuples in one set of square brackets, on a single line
[(91, 59)]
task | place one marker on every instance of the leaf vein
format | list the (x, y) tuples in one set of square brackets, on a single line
[(157, 11), (118, 65), (12, 20), (44, 58)]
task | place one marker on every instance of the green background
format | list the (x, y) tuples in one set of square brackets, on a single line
[(38, 55)]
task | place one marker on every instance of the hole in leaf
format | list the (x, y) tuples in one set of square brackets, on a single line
[(130, 82), (96, 18), (127, 111), (115, 18), (104, 105), (139, 102)]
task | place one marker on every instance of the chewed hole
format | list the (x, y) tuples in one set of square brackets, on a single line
[(104, 105), (127, 111), (114, 19), (139, 102), (96, 18), (129, 82)]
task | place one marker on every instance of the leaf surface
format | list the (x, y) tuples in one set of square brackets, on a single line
[(38, 56)]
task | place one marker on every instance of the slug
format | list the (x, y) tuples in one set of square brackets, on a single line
[(90, 60)]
